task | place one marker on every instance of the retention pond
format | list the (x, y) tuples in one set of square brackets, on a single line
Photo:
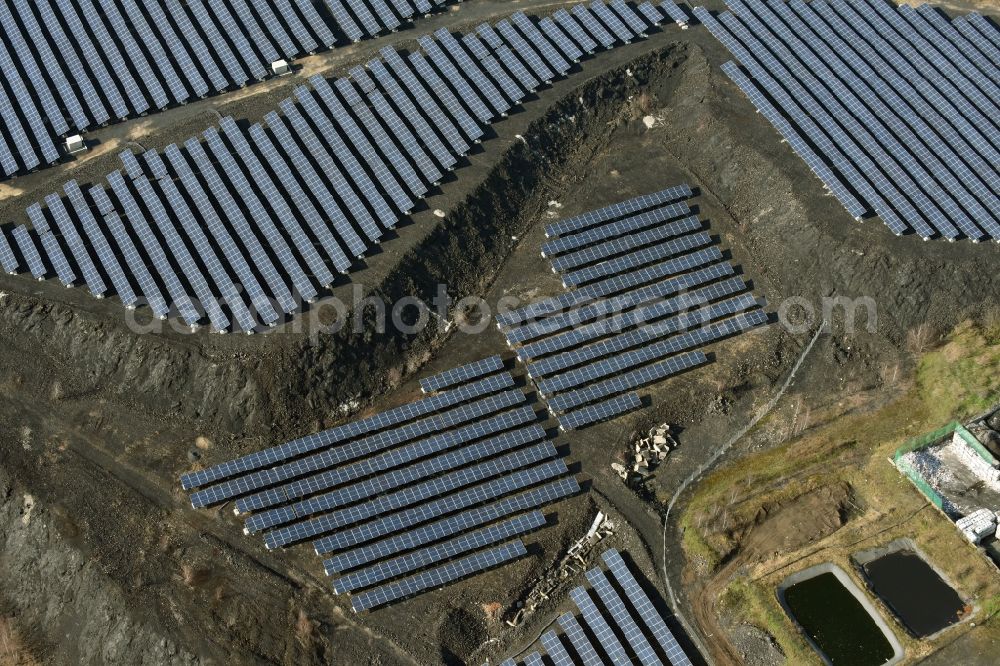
[(924, 603), (838, 619)]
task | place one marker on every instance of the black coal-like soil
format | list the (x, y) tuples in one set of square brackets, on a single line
[(102, 558)]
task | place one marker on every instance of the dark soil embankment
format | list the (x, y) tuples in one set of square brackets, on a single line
[(100, 420)]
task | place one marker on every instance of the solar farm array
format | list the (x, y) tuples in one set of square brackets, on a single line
[(629, 630), (648, 287), (75, 65), (241, 224), (409, 499), (895, 109)]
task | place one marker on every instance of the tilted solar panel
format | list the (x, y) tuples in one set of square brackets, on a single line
[(631, 19), (524, 50), (893, 116), (496, 71), (919, 94), (349, 126), (81, 39), (261, 217), (675, 13), (29, 251), (598, 625), (50, 244), (384, 461), (137, 57), (617, 304), (470, 127), (578, 639), (640, 602), (316, 441), (600, 411), (54, 64), (307, 42), (219, 43), (593, 26), (178, 90), (439, 576), (625, 242), (105, 255), (424, 100), (636, 258), (611, 365), (33, 74), (328, 458), (612, 229), (472, 99), (565, 44), (192, 271), (472, 71), (617, 210), (7, 258), (555, 649), (463, 374), (650, 12), (239, 39), (541, 42), (883, 147), (627, 381), (610, 286), (27, 109), (355, 172), (135, 262), (610, 21), (804, 121), (442, 552), (317, 182), (275, 30), (507, 57), (461, 500), (232, 254), (795, 140), (575, 30), (643, 318), (619, 613), (396, 125), (316, 22), (401, 166), (345, 21), (365, 16), (234, 216), (137, 219), (200, 51), (95, 283), (451, 525), (422, 492)]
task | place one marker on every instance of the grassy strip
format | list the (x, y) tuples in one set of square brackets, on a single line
[(958, 379)]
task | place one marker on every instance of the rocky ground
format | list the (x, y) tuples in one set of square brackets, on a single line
[(102, 558)]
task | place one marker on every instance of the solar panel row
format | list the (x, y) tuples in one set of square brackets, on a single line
[(123, 59), (330, 159), (406, 494), (439, 576), (626, 614), (654, 288), (890, 106)]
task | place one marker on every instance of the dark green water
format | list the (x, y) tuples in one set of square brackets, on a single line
[(923, 602), (837, 622)]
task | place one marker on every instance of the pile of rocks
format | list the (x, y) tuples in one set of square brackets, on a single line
[(649, 452)]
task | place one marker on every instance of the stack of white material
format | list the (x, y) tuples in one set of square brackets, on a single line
[(980, 467), (977, 525)]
